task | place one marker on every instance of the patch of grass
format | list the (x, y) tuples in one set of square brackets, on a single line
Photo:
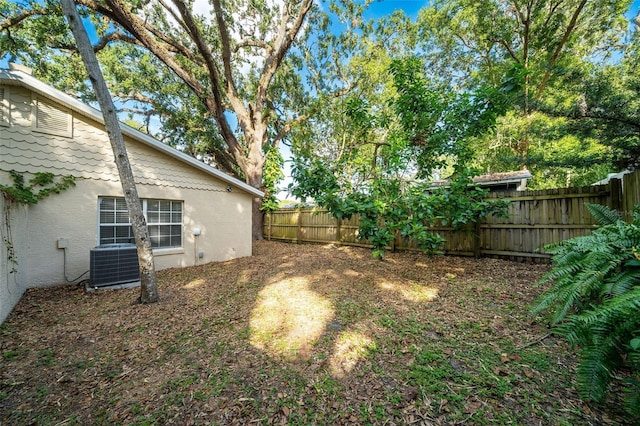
[(46, 358), (326, 386), (218, 382), (11, 355), (41, 392)]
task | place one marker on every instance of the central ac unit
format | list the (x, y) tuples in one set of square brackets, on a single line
[(114, 264)]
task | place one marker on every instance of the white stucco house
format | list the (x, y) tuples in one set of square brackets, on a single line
[(196, 213)]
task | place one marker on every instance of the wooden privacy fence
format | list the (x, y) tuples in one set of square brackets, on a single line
[(535, 219)]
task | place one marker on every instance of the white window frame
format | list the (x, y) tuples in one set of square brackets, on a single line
[(161, 222), (5, 107), (37, 102)]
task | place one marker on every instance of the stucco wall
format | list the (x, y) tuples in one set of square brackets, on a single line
[(13, 280), (216, 214), (223, 216)]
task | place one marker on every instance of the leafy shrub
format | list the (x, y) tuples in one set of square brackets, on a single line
[(387, 208), (595, 302)]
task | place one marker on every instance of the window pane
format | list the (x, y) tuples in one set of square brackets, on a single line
[(121, 204), (154, 235), (122, 217), (176, 217), (123, 231), (176, 206), (107, 203), (165, 217), (152, 217), (153, 205), (165, 206), (154, 231), (176, 235), (107, 217), (107, 234), (165, 241)]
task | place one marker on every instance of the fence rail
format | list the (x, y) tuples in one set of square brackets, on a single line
[(535, 219)]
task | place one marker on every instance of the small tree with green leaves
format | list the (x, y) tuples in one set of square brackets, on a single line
[(595, 304), (392, 149)]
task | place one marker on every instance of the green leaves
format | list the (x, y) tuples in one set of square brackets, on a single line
[(389, 209), (41, 185), (272, 175), (565, 80), (596, 301), (387, 147)]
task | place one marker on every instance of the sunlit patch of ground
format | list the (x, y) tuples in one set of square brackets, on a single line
[(194, 283), (412, 292), (351, 347), (289, 318)]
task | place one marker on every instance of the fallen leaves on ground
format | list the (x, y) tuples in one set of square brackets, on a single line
[(296, 334)]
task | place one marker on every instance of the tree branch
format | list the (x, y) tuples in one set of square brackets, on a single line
[(114, 36), (230, 90), (282, 44), (512, 54), (25, 14), (559, 47), (253, 43), (170, 45), (214, 77)]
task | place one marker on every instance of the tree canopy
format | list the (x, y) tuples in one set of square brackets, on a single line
[(466, 87), (217, 79), (559, 47)]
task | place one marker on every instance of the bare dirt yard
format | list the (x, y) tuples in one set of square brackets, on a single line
[(296, 334)]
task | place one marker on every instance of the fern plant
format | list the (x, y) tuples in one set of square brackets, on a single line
[(595, 303)]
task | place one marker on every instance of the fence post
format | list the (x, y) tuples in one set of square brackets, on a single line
[(299, 231), (269, 216), (631, 194), (615, 188), (338, 232), (476, 239)]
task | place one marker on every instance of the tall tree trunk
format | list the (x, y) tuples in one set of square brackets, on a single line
[(253, 172), (148, 283), (257, 216)]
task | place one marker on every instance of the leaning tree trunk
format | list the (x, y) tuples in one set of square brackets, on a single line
[(148, 284)]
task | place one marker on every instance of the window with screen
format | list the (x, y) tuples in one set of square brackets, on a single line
[(164, 222)]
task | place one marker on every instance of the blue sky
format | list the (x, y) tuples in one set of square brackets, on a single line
[(380, 8)]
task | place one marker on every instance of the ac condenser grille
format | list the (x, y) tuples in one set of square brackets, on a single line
[(113, 264)]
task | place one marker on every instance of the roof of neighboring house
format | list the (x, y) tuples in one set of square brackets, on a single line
[(619, 175), (19, 78), (503, 177), (490, 179)]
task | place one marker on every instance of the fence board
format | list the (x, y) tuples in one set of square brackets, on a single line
[(535, 219), (630, 194)]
